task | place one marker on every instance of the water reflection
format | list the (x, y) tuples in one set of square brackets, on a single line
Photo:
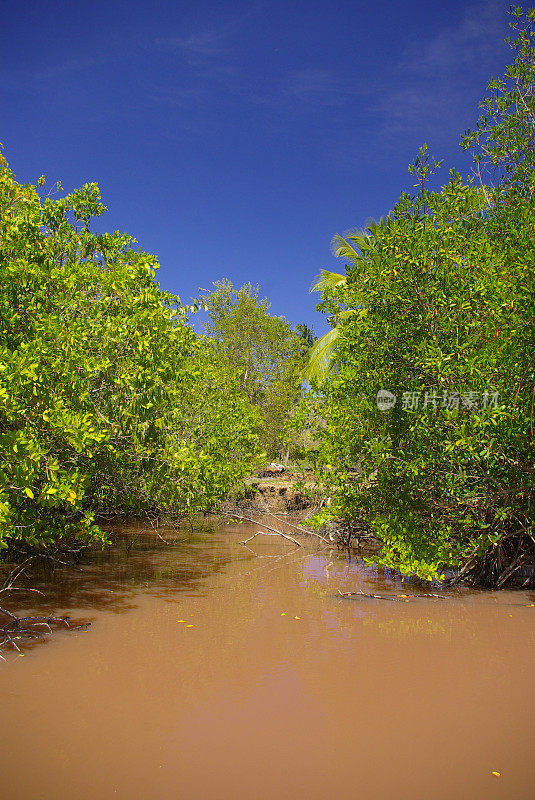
[(241, 673), (160, 562)]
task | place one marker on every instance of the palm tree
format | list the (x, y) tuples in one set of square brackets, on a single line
[(355, 248), (306, 334)]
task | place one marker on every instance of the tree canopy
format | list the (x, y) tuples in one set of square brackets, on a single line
[(435, 316), (258, 353), (109, 402)]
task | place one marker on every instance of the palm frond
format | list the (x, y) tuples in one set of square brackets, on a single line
[(320, 357), (354, 244), (327, 280), (376, 227), (341, 248)]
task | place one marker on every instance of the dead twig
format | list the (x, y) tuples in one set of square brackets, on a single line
[(15, 573), (402, 598), (25, 628), (362, 594), (298, 527), (275, 533)]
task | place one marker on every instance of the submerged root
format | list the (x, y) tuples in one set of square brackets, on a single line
[(510, 563), (19, 629), (14, 629)]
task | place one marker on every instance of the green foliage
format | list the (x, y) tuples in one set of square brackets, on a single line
[(320, 357), (331, 284), (306, 334), (504, 140), (259, 354), (441, 303), (422, 169), (448, 299), (108, 400)]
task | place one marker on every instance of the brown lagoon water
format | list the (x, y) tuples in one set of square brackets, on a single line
[(218, 672)]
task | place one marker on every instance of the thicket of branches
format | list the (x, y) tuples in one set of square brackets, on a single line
[(441, 302), (109, 402)]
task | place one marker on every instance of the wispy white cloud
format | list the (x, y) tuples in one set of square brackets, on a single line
[(463, 45), (428, 88), (211, 42), (317, 86), (179, 96), (34, 78), (311, 82), (308, 89), (424, 94), (205, 59), (72, 65)]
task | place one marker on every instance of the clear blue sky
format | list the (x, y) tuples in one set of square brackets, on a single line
[(234, 139)]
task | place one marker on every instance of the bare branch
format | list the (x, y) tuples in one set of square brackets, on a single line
[(275, 533)]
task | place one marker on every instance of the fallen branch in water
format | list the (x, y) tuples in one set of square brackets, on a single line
[(298, 527), (274, 531), (18, 629), (401, 598), (24, 628)]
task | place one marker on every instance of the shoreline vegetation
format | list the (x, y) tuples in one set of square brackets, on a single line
[(414, 415)]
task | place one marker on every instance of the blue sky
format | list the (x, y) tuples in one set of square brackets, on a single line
[(235, 139)]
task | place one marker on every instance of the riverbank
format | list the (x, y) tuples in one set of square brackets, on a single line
[(285, 493), (298, 495)]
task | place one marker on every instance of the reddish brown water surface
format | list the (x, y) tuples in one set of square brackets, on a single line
[(218, 672)]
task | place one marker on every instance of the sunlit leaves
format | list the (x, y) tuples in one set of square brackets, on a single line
[(449, 297), (258, 354), (108, 399)]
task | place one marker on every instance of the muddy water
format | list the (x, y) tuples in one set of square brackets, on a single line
[(218, 672)]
